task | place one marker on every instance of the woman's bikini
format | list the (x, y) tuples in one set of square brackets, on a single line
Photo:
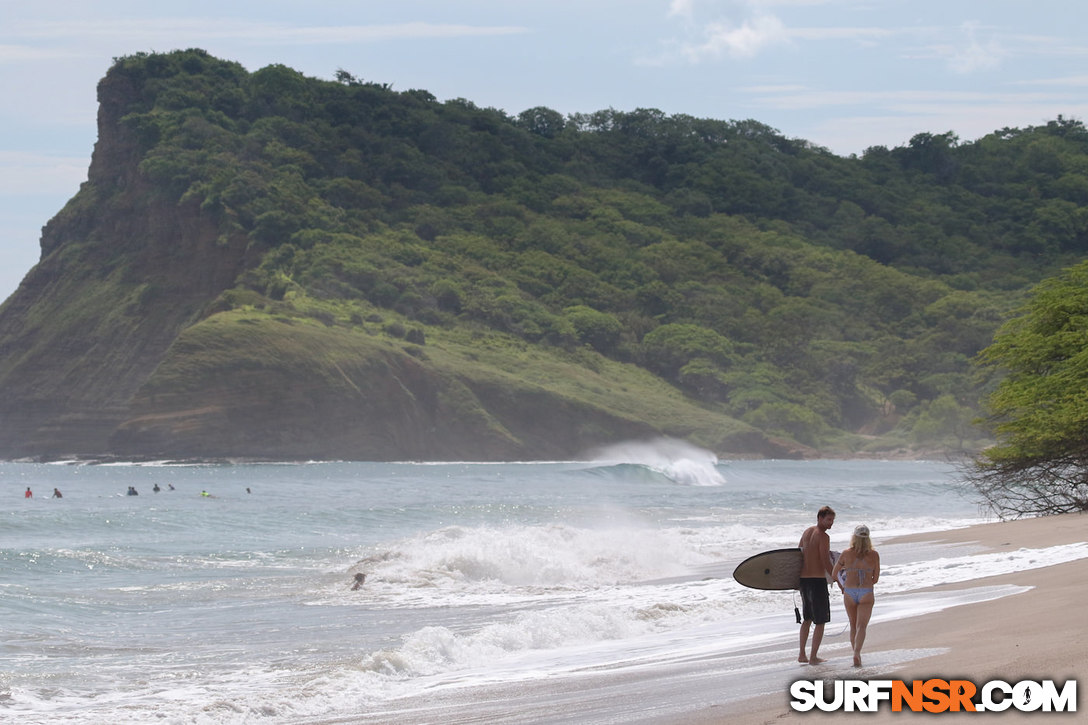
[(855, 593)]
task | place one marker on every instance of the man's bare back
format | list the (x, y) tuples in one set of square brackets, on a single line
[(815, 552)]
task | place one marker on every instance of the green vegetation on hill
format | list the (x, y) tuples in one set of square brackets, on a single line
[(712, 269)]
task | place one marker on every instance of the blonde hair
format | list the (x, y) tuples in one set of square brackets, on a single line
[(861, 545)]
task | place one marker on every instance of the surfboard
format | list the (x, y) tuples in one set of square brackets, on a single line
[(773, 570)]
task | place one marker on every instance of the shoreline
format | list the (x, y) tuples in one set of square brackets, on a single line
[(994, 627), (1033, 635), (899, 454)]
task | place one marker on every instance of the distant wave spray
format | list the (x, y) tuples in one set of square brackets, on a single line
[(677, 460)]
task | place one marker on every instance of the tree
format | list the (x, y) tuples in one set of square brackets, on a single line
[(542, 121), (1039, 411), (668, 348), (342, 76), (796, 421), (941, 420), (600, 330)]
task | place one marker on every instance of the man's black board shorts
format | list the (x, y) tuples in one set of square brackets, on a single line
[(815, 601)]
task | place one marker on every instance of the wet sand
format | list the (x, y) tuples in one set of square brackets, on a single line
[(1036, 632), (1040, 633)]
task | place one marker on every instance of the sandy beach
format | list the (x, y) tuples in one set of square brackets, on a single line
[(1034, 635), (1033, 630)]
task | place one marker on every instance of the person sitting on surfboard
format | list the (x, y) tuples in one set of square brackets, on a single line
[(815, 548)]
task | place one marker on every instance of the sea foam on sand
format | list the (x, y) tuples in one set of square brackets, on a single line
[(992, 601), (1022, 622)]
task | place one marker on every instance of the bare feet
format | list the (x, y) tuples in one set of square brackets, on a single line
[(857, 660), (816, 661), (803, 658)]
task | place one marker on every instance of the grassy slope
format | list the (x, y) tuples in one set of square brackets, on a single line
[(356, 393)]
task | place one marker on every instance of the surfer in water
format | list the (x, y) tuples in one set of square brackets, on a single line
[(856, 571), (359, 579), (816, 565)]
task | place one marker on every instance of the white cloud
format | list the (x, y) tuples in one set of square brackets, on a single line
[(750, 30), (851, 121), (976, 55), (714, 40), (738, 41), (29, 173), (852, 134), (793, 3), (796, 98), (857, 34), (682, 9), (24, 53), (368, 33), (172, 31), (1068, 81)]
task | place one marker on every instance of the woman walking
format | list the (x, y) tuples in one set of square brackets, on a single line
[(856, 571)]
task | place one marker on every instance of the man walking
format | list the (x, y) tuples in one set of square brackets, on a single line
[(815, 568)]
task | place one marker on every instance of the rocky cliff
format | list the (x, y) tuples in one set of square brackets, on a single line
[(265, 265), (119, 343), (122, 273)]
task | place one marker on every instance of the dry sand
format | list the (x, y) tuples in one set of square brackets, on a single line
[(1035, 635)]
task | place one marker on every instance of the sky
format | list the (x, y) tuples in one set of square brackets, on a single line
[(843, 74)]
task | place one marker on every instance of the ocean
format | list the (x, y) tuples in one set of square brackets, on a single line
[(594, 591)]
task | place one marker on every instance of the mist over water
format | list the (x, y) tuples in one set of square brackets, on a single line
[(237, 607)]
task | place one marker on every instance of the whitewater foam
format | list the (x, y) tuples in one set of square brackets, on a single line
[(677, 460), (177, 608)]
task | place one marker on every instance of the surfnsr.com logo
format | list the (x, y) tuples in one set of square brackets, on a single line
[(933, 695)]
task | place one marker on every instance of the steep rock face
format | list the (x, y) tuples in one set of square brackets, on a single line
[(122, 272), (86, 345)]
